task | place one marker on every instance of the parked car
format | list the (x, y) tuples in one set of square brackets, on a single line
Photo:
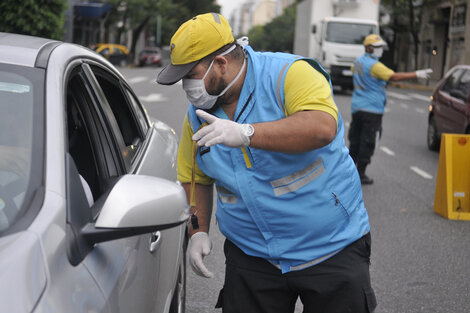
[(91, 216), (449, 111), (150, 56), (114, 53)]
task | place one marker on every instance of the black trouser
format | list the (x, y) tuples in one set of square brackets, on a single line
[(364, 131), (339, 284)]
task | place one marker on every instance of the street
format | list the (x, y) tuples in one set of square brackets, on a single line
[(420, 260)]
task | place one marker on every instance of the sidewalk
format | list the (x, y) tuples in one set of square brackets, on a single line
[(414, 85)]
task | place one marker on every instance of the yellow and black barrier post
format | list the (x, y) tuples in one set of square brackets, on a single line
[(452, 198)]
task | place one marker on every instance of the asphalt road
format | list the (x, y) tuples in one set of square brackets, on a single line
[(420, 260)]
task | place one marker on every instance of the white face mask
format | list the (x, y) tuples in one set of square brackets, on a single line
[(196, 90), (378, 51)]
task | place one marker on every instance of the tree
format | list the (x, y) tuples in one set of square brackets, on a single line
[(277, 35), (405, 18), (43, 18), (140, 13)]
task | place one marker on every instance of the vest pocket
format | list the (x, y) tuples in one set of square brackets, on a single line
[(225, 195), (338, 204)]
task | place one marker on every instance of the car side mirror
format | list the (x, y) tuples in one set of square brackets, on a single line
[(134, 205)]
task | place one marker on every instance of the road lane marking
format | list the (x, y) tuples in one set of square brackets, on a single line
[(392, 102), (420, 97), (420, 172), (153, 97), (387, 150), (419, 110), (404, 106), (138, 79), (398, 95)]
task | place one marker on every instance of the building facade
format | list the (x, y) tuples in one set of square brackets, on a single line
[(256, 12), (445, 37)]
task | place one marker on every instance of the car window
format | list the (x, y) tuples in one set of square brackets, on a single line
[(21, 124), (140, 111), (451, 81), (124, 114), (464, 85), (87, 141)]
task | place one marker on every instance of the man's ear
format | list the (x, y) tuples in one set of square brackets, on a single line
[(221, 62)]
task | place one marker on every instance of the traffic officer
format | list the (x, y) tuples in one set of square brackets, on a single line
[(263, 127), (368, 101)]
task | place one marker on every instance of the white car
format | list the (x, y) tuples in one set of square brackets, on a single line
[(91, 216)]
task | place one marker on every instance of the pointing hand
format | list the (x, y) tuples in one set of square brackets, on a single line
[(221, 131), (423, 74)]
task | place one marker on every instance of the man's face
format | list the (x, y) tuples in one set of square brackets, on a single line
[(213, 82)]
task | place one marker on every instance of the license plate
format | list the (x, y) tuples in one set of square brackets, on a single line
[(347, 73)]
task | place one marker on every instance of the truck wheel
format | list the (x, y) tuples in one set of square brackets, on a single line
[(433, 136)]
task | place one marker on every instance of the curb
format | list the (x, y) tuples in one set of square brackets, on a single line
[(411, 86)]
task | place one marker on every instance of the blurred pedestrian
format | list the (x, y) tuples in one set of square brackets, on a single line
[(265, 129), (368, 102)]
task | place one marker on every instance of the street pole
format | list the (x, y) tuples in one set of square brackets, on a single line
[(159, 30)]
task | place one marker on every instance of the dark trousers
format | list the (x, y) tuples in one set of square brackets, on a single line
[(364, 131), (340, 284)]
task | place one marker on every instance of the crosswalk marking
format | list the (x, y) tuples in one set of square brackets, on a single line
[(387, 151), (153, 97), (403, 105), (398, 95), (419, 110), (420, 172), (419, 97)]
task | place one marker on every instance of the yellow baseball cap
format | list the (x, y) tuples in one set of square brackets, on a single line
[(374, 40), (195, 39)]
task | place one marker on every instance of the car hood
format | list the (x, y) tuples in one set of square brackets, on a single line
[(22, 272)]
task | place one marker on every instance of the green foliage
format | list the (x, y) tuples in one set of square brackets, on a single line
[(198, 7), (277, 35), (43, 18), (256, 36), (172, 12)]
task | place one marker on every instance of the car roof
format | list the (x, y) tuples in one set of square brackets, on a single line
[(25, 50), (39, 52)]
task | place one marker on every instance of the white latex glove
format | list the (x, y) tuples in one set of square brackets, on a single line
[(221, 131), (199, 246), (423, 74)]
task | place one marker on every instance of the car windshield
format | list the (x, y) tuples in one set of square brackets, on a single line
[(349, 33), (20, 91)]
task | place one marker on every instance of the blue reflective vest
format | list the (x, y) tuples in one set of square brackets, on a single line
[(369, 92), (294, 210)]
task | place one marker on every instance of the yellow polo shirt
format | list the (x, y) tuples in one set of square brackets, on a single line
[(304, 89), (380, 71)]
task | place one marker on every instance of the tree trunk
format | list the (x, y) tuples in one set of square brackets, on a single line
[(135, 35), (414, 32)]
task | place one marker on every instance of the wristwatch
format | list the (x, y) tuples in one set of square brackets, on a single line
[(248, 131)]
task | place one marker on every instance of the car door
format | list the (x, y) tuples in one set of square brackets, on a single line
[(143, 150), (125, 269), (460, 103), (445, 113)]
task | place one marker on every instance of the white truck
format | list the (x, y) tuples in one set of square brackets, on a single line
[(333, 31)]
